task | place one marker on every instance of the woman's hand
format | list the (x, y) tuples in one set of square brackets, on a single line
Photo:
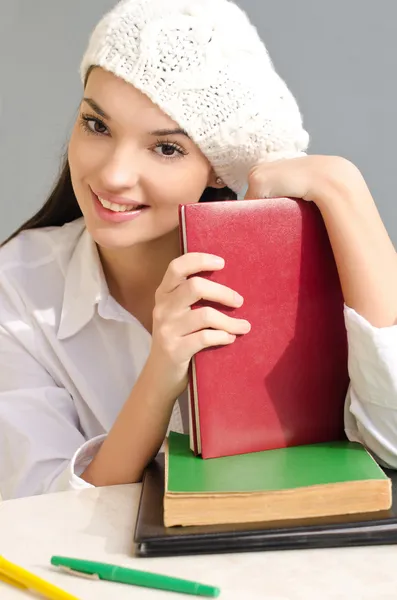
[(314, 178), (180, 332)]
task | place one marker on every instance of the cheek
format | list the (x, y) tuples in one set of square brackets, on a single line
[(181, 184), (83, 156)]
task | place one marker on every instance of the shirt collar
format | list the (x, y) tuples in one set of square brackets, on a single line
[(85, 286)]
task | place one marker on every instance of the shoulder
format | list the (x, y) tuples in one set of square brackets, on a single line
[(34, 264), (35, 248)]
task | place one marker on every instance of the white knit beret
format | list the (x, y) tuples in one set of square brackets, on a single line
[(203, 63)]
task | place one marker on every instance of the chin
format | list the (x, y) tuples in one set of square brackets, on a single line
[(114, 238)]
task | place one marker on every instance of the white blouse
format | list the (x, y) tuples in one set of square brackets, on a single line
[(70, 354)]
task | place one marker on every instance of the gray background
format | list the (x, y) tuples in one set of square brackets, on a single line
[(339, 58)]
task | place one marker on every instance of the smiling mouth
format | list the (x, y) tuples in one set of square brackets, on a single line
[(120, 208)]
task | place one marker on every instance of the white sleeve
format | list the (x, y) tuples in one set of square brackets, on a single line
[(69, 478), (371, 403), (42, 448)]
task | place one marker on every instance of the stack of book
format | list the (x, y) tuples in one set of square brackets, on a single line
[(267, 464)]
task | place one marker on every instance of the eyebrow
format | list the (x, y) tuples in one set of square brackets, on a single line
[(96, 107), (161, 132), (158, 132)]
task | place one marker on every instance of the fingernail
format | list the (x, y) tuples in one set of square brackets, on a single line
[(239, 300), (247, 326), (219, 261)]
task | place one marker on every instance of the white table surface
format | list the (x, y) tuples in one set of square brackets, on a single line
[(98, 524)]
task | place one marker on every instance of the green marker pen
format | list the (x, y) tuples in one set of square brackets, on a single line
[(117, 574)]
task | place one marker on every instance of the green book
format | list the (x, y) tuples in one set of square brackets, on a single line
[(324, 479)]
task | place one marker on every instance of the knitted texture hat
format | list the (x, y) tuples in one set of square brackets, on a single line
[(203, 63)]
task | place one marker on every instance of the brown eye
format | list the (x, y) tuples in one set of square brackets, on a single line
[(99, 127), (96, 126), (169, 150), (93, 125)]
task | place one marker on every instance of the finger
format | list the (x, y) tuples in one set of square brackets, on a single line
[(189, 264), (197, 288), (207, 338), (210, 318), (259, 183)]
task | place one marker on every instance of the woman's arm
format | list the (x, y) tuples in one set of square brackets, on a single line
[(364, 254), (40, 434), (136, 435), (367, 266), (178, 333)]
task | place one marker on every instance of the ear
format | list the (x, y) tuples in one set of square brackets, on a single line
[(216, 182)]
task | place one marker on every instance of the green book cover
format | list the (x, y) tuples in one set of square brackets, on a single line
[(281, 469)]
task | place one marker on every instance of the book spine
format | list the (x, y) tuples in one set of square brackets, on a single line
[(194, 442)]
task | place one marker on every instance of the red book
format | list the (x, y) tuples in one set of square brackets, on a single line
[(284, 383)]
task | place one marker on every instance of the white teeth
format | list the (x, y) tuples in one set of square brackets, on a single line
[(116, 207)]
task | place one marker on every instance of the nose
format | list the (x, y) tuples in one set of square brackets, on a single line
[(120, 169)]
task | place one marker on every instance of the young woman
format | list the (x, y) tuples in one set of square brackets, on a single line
[(181, 104)]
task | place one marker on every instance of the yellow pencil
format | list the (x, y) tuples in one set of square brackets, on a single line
[(19, 577), (5, 579)]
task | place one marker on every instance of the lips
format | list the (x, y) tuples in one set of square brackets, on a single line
[(116, 209), (117, 203)]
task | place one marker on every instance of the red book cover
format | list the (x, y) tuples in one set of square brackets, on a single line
[(284, 383)]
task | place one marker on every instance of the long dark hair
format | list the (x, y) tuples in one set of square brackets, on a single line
[(62, 206)]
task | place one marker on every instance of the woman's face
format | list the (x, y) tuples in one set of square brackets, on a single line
[(130, 166)]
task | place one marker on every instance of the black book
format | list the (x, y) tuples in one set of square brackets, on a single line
[(153, 539)]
